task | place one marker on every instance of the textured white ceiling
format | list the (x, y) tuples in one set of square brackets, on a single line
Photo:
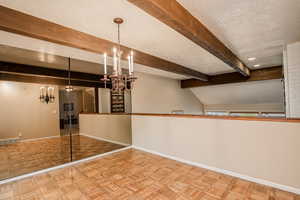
[(251, 28), (257, 92), (140, 30)]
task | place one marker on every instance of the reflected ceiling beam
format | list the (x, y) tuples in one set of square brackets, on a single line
[(25, 78), (42, 75), (40, 59), (256, 75), (178, 18), (24, 24)]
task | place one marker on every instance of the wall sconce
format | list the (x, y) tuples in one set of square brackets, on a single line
[(47, 94)]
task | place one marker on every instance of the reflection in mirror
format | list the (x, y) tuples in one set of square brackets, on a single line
[(90, 132), (110, 129), (110, 102), (29, 131), (80, 99), (36, 126)]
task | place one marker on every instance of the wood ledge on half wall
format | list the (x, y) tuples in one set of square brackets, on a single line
[(268, 119)]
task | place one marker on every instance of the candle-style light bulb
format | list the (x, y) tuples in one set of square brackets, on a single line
[(41, 91), (105, 63), (47, 91), (129, 64), (131, 55), (115, 58), (119, 63), (52, 91)]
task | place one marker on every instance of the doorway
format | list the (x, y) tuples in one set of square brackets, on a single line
[(71, 104)]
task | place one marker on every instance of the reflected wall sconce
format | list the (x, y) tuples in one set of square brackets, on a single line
[(47, 94)]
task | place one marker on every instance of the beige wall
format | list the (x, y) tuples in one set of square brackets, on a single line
[(21, 112), (154, 94), (104, 100), (264, 150), (128, 105), (110, 127), (271, 107)]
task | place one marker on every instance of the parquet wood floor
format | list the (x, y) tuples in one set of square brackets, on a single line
[(136, 175), (25, 157)]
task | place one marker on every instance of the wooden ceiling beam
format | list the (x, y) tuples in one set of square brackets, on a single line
[(26, 78), (33, 74), (24, 24), (44, 71), (235, 77), (178, 18)]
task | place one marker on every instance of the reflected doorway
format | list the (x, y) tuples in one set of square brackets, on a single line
[(71, 104)]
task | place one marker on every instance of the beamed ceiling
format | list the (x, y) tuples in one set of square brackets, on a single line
[(257, 28)]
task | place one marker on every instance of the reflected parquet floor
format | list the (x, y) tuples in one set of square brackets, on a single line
[(26, 157), (136, 175)]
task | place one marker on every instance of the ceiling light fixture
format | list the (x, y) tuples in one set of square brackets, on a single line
[(47, 94), (258, 65), (119, 82), (69, 87), (252, 59)]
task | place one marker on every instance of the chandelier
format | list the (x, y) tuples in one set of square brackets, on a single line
[(119, 81), (47, 94)]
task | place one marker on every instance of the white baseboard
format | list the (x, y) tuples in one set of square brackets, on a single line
[(227, 172), (8, 141), (62, 166), (103, 139), (41, 138)]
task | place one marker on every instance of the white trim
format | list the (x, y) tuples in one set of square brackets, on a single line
[(62, 166), (103, 139), (8, 141), (223, 171), (41, 138)]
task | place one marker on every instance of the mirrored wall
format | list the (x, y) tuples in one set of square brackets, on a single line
[(43, 125)]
